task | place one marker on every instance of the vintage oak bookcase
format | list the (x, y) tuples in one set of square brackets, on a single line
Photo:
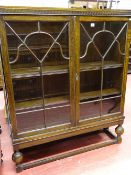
[(64, 72)]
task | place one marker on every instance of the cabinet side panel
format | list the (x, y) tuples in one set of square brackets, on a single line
[(128, 41), (7, 76)]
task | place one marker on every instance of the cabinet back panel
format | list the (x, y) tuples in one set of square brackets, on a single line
[(30, 121), (111, 106), (90, 81), (89, 110), (99, 40)]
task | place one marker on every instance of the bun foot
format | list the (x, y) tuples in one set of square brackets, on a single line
[(119, 131)]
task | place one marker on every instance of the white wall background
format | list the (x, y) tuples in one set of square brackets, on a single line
[(124, 4), (37, 3)]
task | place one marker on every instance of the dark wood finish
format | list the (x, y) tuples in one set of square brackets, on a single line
[(65, 73)]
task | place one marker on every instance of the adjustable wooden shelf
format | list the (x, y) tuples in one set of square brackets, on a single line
[(65, 74)]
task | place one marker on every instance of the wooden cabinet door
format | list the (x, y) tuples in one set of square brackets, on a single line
[(41, 70), (101, 63)]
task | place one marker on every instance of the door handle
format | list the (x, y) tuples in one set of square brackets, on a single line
[(76, 77)]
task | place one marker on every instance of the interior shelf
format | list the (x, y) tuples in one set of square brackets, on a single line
[(48, 70), (95, 94), (39, 102), (35, 71), (98, 64), (61, 100), (23, 50)]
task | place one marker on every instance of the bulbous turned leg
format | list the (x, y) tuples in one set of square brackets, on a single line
[(17, 157), (119, 131)]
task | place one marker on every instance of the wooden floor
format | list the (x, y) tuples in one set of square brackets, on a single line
[(110, 160)]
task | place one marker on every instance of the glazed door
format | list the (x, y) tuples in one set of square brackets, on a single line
[(39, 58), (102, 57)]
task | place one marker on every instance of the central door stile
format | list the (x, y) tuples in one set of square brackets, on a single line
[(125, 70), (76, 48), (72, 71)]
